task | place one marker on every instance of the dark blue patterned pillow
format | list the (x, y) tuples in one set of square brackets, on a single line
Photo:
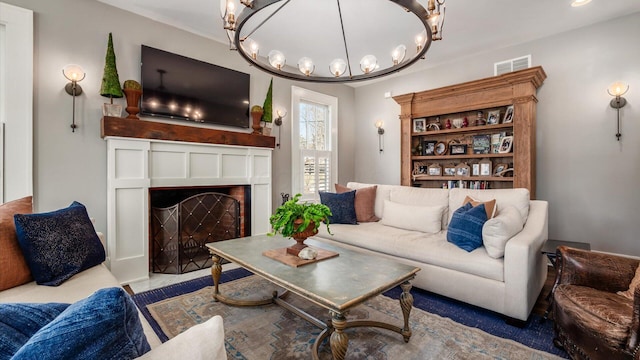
[(103, 326), (465, 228), (58, 244), (20, 321), (342, 207)]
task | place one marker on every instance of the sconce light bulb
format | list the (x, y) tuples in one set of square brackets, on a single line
[(379, 124)]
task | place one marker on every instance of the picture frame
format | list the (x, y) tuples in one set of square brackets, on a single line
[(435, 170), (508, 115), (449, 170), (419, 168), (493, 117), (499, 169), (419, 125), (506, 143), (485, 167), (441, 148), (428, 147), (457, 149), (475, 169), (481, 144), (463, 170), (495, 142)]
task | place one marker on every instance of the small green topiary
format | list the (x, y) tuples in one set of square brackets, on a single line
[(132, 84), (284, 217)]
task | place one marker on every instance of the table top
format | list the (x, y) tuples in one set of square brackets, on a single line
[(336, 284), (551, 245)]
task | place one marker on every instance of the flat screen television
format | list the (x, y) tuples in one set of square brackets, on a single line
[(177, 87)]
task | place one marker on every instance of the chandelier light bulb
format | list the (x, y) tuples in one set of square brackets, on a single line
[(368, 64), (306, 66), (338, 67), (276, 59), (419, 40), (253, 48), (397, 55)]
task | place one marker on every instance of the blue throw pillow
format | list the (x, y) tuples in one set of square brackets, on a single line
[(342, 207), (465, 228), (19, 321), (103, 326), (58, 244)]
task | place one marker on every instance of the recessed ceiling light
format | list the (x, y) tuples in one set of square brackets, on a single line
[(576, 3)]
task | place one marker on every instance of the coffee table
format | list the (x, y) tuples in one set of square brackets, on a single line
[(337, 284)]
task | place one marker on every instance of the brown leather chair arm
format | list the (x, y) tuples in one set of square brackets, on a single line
[(600, 271), (634, 330)]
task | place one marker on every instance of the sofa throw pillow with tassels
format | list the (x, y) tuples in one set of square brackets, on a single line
[(465, 228), (103, 326), (58, 244), (342, 207)]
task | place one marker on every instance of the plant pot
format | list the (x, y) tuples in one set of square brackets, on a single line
[(256, 116), (300, 237), (266, 130), (113, 110), (133, 99)]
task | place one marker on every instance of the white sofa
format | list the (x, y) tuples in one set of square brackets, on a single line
[(508, 285), (203, 341)]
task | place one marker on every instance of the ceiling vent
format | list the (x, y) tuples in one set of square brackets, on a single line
[(516, 64)]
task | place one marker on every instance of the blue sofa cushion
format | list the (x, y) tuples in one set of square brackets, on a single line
[(103, 326), (58, 244), (20, 321), (465, 228), (342, 207)]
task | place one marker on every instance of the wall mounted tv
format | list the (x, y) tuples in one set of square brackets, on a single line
[(177, 87)]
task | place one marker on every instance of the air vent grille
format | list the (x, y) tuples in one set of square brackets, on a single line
[(510, 65)]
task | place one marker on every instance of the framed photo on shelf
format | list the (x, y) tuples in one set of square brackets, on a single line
[(475, 169), (458, 149), (463, 170), (441, 148), (493, 117), (485, 167), (500, 168), (508, 115), (506, 143), (481, 144), (419, 125), (495, 142), (428, 147), (449, 170), (435, 170)]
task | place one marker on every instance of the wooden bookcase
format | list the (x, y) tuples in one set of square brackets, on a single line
[(517, 89)]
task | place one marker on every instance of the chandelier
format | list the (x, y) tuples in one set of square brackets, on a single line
[(344, 36)]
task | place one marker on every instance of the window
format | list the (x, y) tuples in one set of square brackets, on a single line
[(314, 139)]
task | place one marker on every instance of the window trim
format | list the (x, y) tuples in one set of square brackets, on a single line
[(299, 94)]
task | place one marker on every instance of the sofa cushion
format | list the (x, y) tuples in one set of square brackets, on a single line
[(489, 206), (497, 231), (519, 198), (15, 270), (427, 219), (342, 207), (20, 321), (422, 197), (382, 193), (465, 228), (635, 282), (59, 244), (365, 202), (105, 325)]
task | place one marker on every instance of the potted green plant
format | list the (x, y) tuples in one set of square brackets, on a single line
[(299, 221), (133, 91), (267, 116), (256, 115)]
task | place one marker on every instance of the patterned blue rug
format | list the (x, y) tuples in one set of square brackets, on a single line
[(537, 334)]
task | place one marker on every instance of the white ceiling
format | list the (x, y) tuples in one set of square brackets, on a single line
[(471, 26)]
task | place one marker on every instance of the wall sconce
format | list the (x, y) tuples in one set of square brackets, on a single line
[(280, 112), (617, 90), (75, 74), (378, 125)]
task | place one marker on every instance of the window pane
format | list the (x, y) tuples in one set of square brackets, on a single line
[(314, 125)]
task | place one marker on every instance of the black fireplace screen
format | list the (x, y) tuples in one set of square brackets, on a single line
[(180, 232)]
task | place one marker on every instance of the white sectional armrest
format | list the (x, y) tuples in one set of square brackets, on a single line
[(524, 265)]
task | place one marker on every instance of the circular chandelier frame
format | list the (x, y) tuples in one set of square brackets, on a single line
[(257, 5)]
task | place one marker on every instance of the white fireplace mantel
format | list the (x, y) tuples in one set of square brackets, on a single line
[(134, 165)]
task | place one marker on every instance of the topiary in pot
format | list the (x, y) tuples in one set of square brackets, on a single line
[(133, 91), (299, 221)]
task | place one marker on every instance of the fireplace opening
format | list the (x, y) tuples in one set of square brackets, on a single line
[(183, 220)]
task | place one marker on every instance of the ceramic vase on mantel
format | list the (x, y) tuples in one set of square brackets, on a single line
[(256, 116), (133, 99), (300, 237)]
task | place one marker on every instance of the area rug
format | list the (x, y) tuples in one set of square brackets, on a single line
[(270, 332)]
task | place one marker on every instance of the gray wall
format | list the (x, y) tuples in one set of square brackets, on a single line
[(73, 166), (589, 178)]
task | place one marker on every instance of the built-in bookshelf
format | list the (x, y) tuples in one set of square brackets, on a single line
[(479, 134)]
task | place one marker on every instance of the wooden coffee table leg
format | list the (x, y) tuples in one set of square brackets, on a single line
[(339, 340), (406, 303), (216, 270)]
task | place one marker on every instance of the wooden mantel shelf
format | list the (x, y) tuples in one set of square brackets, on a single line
[(121, 127)]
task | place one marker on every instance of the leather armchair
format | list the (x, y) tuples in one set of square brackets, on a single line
[(591, 320)]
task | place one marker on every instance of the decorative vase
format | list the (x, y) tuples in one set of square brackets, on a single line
[(133, 99), (256, 115), (300, 237)]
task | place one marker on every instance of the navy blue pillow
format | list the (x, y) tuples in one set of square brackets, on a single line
[(20, 321), (58, 244), (342, 207), (465, 228), (103, 326)]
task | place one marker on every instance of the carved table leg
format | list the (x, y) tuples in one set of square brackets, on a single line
[(406, 303), (339, 340), (216, 270)]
